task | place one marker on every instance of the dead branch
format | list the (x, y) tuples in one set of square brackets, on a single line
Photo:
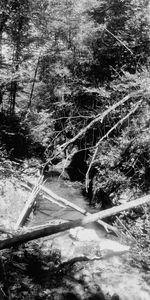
[(58, 200), (106, 136), (122, 43), (29, 204), (34, 80), (126, 229), (100, 117), (72, 261), (54, 201), (28, 236)]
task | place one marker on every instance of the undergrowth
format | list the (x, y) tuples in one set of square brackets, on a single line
[(122, 163), (29, 273)]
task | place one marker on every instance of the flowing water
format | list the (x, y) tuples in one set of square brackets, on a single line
[(47, 210), (113, 274)]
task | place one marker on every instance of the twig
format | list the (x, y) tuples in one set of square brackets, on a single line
[(77, 259), (87, 258), (126, 229), (122, 43), (34, 79)]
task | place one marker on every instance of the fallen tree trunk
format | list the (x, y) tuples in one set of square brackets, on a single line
[(50, 230), (74, 206)]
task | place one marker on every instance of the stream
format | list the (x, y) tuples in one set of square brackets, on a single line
[(109, 266), (47, 211)]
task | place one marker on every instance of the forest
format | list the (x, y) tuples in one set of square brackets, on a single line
[(74, 104)]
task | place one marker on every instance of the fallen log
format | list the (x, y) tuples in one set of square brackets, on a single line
[(45, 197), (50, 230), (54, 201), (29, 204), (58, 199)]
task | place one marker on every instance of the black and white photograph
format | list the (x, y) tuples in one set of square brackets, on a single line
[(74, 150)]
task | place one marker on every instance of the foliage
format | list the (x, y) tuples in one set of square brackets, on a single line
[(123, 160), (39, 129), (121, 39), (27, 270), (64, 62), (14, 40)]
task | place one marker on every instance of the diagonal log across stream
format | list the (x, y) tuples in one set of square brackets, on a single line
[(58, 200), (53, 229)]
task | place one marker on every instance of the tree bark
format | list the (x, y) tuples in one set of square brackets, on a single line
[(33, 83)]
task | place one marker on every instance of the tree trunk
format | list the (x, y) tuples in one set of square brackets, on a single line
[(50, 230), (13, 93)]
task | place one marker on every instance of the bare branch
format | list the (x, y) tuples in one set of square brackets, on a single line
[(50, 230), (59, 200), (122, 43), (106, 136), (29, 204), (100, 117)]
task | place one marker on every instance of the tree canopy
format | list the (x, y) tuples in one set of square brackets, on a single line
[(64, 63)]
